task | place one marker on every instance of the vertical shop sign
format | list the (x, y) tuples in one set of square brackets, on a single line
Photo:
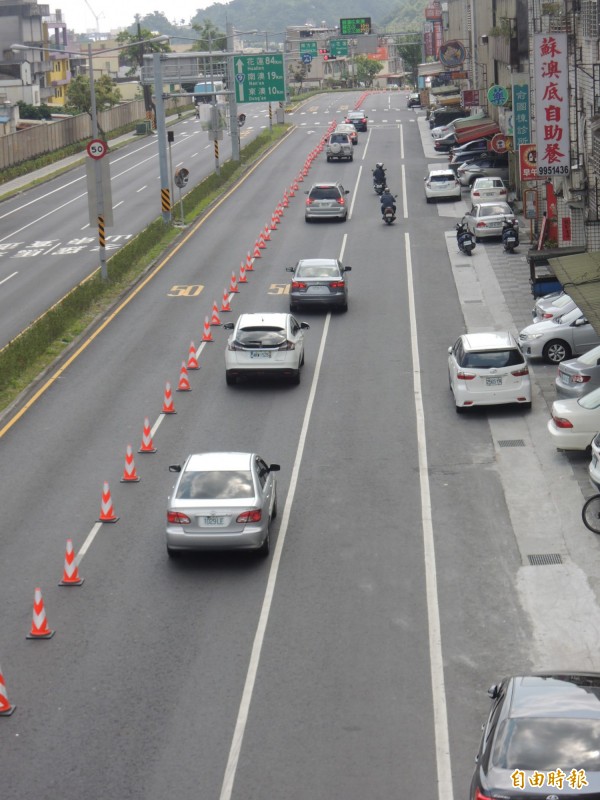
[(551, 104)]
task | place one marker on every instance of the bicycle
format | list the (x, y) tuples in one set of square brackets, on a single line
[(590, 513)]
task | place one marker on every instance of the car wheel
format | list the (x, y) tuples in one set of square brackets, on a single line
[(274, 512), (173, 553), (459, 409), (556, 351), (265, 547), (344, 308), (328, 158), (306, 219), (302, 359), (230, 379), (350, 158), (526, 406), (296, 377), (428, 199), (293, 308)]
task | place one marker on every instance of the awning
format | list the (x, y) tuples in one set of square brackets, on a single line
[(579, 275), (430, 68), (450, 89)]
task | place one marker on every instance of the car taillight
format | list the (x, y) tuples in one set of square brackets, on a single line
[(479, 795), (309, 201), (298, 285), (520, 373), (341, 201), (547, 315), (465, 376), (476, 193), (561, 422), (234, 346), (337, 285), (580, 378), (502, 191), (287, 346), (481, 224), (177, 518), (254, 515)]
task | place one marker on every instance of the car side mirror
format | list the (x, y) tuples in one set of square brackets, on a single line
[(305, 326), (175, 468), (228, 326), (346, 191), (347, 269), (306, 191), (494, 691), (289, 269), (274, 467), (449, 351)]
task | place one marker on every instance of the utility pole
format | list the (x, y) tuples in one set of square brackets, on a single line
[(145, 87)]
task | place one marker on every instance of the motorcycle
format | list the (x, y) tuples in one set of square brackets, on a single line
[(379, 186), (379, 181), (510, 236), (465, 239), (389, 215)]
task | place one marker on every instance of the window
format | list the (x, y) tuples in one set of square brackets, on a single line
[(589, 18)]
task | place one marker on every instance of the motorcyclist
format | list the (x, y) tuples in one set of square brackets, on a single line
[(379, 173), (387, 200)]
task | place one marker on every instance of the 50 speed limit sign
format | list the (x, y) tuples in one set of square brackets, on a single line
[(97, 148)]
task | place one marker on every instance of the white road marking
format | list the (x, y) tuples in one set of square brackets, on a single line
[(8, 277), (141, 189)]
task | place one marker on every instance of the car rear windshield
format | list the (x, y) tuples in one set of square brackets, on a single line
[(324, 193), (447, 176), (547, 744), (261, 337), (492, 211), (317, 272), (492, 358), (338, 137), (216, 485)]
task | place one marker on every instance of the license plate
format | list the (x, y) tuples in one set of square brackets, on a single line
[(494, 224), (260, 354), (213, 521), (318, 290), (493, 381), (565, 378)]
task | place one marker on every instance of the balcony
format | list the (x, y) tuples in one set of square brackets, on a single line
[(505, 50)]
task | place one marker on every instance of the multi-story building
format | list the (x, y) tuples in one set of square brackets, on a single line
[(55, 38), (21, 22)]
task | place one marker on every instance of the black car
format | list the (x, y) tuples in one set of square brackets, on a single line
[(414, 100), (476, 156), (319, 282), (541, 739), (358, 119)]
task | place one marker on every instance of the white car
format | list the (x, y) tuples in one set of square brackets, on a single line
[(442, 183), (594, 467), (442, 130), (488, 369), (559, 338), (265, 344), (550, 307), (575, 423), (488, 190)]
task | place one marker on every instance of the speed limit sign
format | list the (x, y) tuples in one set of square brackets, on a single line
[(97, 148)]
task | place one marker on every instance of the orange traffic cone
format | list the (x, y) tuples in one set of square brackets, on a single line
[(267, 234), (207, 335), (70, 572), (192, 362), (300, 177), (184, 381), (39, 624), (243, 278), (249, 267), (286, 202), (274, 222), (5, 707), (233, 289), (147, 445), (215, 319), (295, 186), (168, 404), (292, 191), (107, 512), (261, 241), (225, 302), (256, 253), (129, 473)]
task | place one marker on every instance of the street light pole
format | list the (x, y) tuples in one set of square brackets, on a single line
[(97, 172)]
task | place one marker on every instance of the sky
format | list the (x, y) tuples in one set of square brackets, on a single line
[(119, 13)]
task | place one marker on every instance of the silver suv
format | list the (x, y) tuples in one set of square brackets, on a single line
[(326, 201), (339, 146)]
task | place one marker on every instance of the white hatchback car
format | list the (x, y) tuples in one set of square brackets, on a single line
[(488, 190), (265, 344), (488, 369), (575, 422), (442, 183)]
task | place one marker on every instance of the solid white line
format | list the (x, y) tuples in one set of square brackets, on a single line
[(141, 189), (242, 718), (354, 196), (404, 198), (8, 277), (440, 711), (120, 203)]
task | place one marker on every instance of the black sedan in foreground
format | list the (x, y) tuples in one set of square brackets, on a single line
[(541, 739)]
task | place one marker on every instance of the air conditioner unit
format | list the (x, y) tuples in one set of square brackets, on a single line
[(577, 182)]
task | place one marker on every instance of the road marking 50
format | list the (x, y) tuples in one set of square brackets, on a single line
[(279, 288), (186, 291)]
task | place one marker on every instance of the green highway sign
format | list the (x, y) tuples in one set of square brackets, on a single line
[(355, 26), (338, 47), (308, 47), (259, 78)]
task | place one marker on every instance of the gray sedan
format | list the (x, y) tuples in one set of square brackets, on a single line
[(559, 338), (319, 282), (486, 219), (222, 501), (579, 376)]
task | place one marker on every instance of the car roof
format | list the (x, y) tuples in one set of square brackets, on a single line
[(317, 262), (556, 695), (326, 185), (356, 113), (488, 181), (488, 340), (275, 319), (199, 462), (449, 172), (483, 206)]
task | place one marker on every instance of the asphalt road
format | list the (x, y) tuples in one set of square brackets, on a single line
[(47, 245), (354, 661)]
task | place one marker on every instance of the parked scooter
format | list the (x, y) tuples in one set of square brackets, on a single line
[(388, 206), (510, 236), (465, 239)]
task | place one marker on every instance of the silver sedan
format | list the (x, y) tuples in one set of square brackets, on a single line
[(222, 501), (485, 220)]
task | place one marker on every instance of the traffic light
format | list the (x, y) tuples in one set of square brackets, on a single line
[(323, 51), (329, 57)]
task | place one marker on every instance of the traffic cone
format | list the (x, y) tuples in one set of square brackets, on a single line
[(261, 241), (184, 381), (207, 335), (129, 473), (39, 624), (107, 512), (225, 302), (215, 318), (274, 221), (256, 253), (147, 445), (267, 234), (249, 267), (286, 202), (70, 572), (192, 362), (300, 177), (242, 278), (168, 404), (292, 191), (5, 707), (295, 186), (233, 289)]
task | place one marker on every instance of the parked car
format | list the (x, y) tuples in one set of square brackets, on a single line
[(485, 220), (319, 282), (442, 130), (487, 369), (488, 190), (326, 201), (540, 724), (594, 466), (357, 118), (413, 100), (264, 344), (554, 306), (575, 422), (458, 159), (487, 166), (441, 183), (579, 376), (221, 501), (348, 128), (444, 143), (443, 115), (559, 338), (339, 147), (474, 146)]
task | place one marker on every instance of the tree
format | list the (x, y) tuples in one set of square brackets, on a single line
[(133, 57), (211, 38), (366, 69), (79, 97), (297, 72), (411, 54)]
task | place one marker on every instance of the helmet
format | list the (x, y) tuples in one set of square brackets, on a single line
[(379, 164)]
